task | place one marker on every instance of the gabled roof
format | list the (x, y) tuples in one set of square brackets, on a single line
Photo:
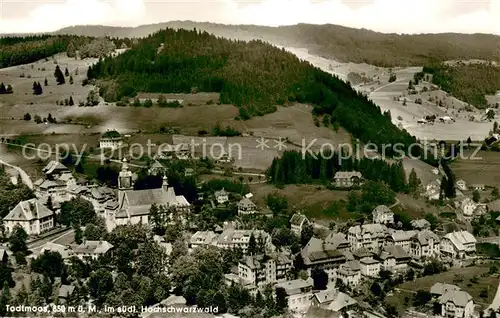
[(441, 288), (93, 247), (66, 290), (28, 210), (139, 201), (336, 240), (347, 174), (420, 223), (423, 237), (396, 251), (461, 238), (53, 166), (246, 203), (221, 192), (111, 134), (297, 219), (458, 297), (382, 209)]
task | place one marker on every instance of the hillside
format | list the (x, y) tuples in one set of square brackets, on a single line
[(468, 82), (335, 42), (253, 76)]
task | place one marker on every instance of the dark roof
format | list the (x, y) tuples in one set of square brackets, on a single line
[(111, 134)]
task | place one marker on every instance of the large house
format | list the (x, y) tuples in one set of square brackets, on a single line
[(231, 238), (317, 254), (202, 238), (394, 258), (425, 244), (383, 215), (401, 238), (92, 250), (337, 241), (298, 294), (458, 244), (370, 236), (246, 207), (34, 217), (222, 196), (54, 169), (134, 205), (263, 269), (297, 223), (350, 273), (370, 267), (347, 179), (111, 139), (456, 304)]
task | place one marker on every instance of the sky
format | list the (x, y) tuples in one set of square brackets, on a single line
[(399, 16)]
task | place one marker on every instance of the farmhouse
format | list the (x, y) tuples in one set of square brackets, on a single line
[(34, 217), (92, 250), (468, 206), (456, 303), (134, 205), (332, 300), (458, 244), (111, 139), (297, 223), (54, 169), (347, 179), (383, 215), (246, 206), (420, 224), (222, 196)]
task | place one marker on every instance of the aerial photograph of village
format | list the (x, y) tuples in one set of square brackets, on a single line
[(241, 159)]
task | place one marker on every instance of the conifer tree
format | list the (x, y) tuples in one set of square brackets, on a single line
[(59, 76), (66, 72)]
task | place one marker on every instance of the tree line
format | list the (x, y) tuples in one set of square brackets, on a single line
[(467, 82), (292, 168)]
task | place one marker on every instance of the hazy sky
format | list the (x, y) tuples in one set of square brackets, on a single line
[(401, 16)]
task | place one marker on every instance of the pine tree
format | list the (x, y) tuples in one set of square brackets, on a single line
[(9, 89), (59, 76), (71, 80), (66, 72), (3, 90), (252, 245), (49, 203), (413, 183), (71, 50), (71, 102), (46, 83)]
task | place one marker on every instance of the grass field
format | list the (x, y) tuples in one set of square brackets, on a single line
[(484, 168), (460, 277)]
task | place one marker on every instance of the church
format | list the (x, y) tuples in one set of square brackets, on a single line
[(134, 205)]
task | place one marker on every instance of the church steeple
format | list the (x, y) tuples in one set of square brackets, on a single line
[(125, 177)]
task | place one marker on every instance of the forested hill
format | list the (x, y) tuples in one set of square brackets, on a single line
[(335, 42), (27, 49), (253, 76)]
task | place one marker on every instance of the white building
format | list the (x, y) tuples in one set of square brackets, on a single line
[(111, 139), (394, 259), (263, 269), (231, 238), (370, 236), (298, 294), (31, 215), (468, 206), (370, 267), (401, 238), (222, 196), (383, 215), (92, 250), (461, 185), (246, 207), (456, 304), (350, 273), (297, 223), (347, 179), (458, 244), (420, 224), (425, 244), (134, 205), (202, 238)]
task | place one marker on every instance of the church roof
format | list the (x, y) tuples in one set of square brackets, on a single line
[(139, 201)]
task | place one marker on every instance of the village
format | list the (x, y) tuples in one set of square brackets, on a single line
[(323, 276)]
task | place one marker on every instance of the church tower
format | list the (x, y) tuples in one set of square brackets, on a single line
[(125, 177)]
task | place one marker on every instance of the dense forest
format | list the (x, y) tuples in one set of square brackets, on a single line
[(254, 76), (467, 82), (336, 42), (29, 49), (292, 169)]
